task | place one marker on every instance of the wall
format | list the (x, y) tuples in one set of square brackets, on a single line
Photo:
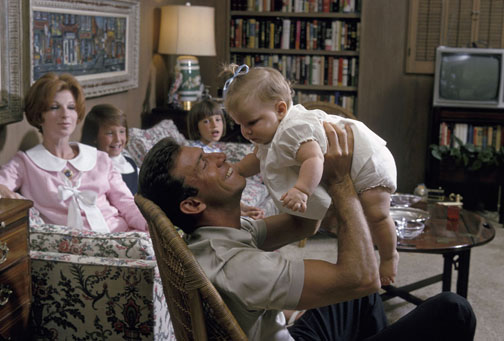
[(393, 104), (21, 136)]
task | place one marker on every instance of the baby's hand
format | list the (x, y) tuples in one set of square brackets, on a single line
[(295, 200), (251, 211), (388, 269)]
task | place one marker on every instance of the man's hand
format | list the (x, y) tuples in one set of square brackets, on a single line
[(338, 159)]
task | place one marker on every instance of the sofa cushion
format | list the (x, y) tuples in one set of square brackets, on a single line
[(142, 140), (56, 238)]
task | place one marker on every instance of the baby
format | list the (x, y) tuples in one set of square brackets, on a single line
[(290, 145)]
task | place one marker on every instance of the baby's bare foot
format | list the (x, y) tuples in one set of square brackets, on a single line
[(388, 269)]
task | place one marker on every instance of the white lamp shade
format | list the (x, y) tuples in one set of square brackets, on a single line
[(187, 30)]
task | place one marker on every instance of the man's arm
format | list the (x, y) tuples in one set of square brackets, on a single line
[(356, 272)]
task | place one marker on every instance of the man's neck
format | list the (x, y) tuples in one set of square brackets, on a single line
[(221, 216)]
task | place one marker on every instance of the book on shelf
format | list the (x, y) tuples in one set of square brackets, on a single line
[(315, 34), (330, 70), (286, 23), (481, 136), (346, 101), (297, 6)]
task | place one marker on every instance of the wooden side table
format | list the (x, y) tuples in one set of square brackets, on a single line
[(15, 274)]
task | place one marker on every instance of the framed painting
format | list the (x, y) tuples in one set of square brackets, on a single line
[(10, 62), (97, 41)]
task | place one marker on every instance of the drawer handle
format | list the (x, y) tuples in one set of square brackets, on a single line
[(5, 292), (2, 224), (4, 250)]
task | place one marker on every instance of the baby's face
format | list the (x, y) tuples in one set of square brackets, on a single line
[(258, 121), (210, 129), (111, 139)]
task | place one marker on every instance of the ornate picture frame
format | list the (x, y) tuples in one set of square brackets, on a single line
[(95, 40), (11, 64)]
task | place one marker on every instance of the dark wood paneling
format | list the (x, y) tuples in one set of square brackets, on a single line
[(393, 104)]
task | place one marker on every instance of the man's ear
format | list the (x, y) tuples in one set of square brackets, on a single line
[(281, 109), (192, 205)]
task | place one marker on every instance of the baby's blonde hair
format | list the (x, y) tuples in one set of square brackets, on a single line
[(260, 83)]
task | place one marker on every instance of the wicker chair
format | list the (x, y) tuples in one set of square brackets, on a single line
[(330, 108), (196, 309)]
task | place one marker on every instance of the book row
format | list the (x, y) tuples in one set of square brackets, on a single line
[(296, 6), (479, 136), (337, 97), (329, 35), (307, 70)]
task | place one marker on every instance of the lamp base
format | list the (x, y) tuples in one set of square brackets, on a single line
[(190, 86), (187, 105)]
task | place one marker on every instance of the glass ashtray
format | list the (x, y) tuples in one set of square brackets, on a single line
[(409, 214), (408, 229), (404, 200)]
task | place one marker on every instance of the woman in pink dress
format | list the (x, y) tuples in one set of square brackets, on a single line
[(69, 183)]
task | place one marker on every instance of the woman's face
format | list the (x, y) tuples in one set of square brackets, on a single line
[(61, 118), (111, 139), (210, 129)]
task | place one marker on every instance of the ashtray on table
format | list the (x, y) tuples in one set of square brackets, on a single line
[(403, 200), (410, 222)]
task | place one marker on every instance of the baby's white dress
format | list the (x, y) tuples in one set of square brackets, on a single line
[(372, 165)]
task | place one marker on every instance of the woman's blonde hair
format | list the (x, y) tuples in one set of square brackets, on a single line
[(265, 84), (41, 95)]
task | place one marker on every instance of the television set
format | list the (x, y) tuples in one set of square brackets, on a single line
[(469, 77)]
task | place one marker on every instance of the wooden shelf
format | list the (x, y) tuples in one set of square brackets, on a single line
[(314, 15), (294, 52), (323, 87), (479, 186)]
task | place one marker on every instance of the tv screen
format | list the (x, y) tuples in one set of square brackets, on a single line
[(469, 77)]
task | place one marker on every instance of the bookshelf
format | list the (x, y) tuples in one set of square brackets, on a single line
[(315, 44), (484, 128)]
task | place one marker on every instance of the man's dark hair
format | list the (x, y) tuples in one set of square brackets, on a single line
[(157, 184)]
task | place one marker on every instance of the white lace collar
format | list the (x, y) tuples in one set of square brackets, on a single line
[(121, 164), (84, 161)]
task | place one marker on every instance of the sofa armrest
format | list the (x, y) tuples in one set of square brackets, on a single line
[(62, 239)]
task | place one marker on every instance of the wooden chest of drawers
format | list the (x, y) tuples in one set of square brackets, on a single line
[(15, 278)]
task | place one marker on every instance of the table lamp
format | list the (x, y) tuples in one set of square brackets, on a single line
[(187, 31)]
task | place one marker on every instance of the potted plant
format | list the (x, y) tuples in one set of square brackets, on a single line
[(468, 156), (472, 161)]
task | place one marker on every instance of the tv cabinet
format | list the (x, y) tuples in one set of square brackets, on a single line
[(481, 189)]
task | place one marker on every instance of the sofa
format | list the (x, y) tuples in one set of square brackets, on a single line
[(92, 286)]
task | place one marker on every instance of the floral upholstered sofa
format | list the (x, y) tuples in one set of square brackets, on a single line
[(92, 286)]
